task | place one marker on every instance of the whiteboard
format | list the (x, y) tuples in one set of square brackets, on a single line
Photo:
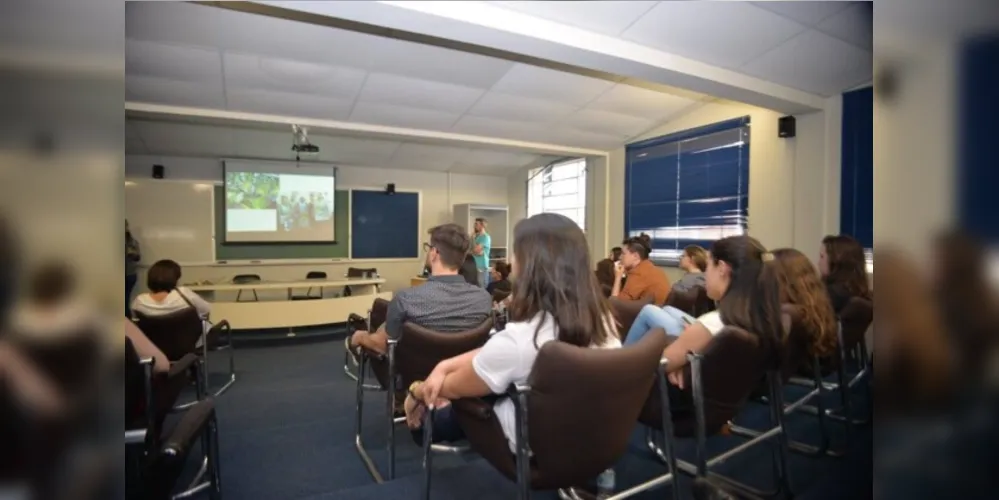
[(171, 220)]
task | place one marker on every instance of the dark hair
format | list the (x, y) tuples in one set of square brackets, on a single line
[(51, 283), (801, 286), (469, 270), (163, 276), (481, 220), (605, 276), (616, 254), (847, 264), (641, 244), (752, 301), (554, 277), (698, 255), (451, 242), (503, 269)]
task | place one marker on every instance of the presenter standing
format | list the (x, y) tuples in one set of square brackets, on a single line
[(132, 257), (483, 244)]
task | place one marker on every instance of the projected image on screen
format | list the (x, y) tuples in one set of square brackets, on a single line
[(278, 207)]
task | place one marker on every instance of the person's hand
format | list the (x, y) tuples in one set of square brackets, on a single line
[(414, 412), (676, 378), (618, 270), (431, 389), (355, 339)]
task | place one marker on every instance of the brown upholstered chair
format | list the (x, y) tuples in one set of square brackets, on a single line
[(569, 436), (355, 322), (410, 358), (625, 311), (718, 382), (177, 334), (156, 455), (694, 302)]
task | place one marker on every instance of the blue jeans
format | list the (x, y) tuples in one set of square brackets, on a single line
[(484, 277), (668, 318), (445, 428)]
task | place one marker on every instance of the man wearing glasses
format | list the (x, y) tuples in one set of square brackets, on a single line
[(445, 303)]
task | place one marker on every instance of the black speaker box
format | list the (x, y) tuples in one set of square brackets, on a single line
[(390, 189), (157, 171), (785, 126)]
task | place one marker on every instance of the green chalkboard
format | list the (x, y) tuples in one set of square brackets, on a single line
[(251, 251)]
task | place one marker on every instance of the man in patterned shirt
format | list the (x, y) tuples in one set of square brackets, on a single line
[(445, 303)]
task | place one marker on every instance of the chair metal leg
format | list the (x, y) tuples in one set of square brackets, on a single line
[(359, 414), (523, 449), (390, 408), (428, 439)]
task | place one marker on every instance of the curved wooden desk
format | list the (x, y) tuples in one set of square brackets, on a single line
[(275, 309)]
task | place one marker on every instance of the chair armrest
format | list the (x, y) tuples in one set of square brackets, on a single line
[(517, 389), (187, 430), (475, 407), (182, 365)]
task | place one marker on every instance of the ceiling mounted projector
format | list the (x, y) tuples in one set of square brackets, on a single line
[(300, 142)]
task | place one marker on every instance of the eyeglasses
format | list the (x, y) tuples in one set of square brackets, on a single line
[(427, 247)]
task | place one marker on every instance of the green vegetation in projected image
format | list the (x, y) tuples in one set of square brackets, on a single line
[(251, 190)]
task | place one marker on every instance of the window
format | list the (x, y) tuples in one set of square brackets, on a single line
[(559, 188), (856, 209), (691, 187)]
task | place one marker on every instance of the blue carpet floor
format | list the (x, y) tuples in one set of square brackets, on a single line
[(287, 432)]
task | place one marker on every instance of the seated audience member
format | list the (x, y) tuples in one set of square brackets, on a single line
[(447, 302), (644, 278), (742, 278), (145, 348), (693, 262), (469, 270), (615, 254), (605, 276), (844, 269), (499, 282), (802, 287), (551, 301), (164, 296)]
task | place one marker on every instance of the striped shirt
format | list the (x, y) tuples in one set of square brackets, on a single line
[(442, 304)]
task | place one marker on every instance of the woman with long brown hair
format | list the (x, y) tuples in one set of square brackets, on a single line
[(844, 269), (605, 276), (555, 298), (801, 287)]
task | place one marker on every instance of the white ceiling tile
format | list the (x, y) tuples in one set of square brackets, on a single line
[(726, 34), (607, 123), (170, 138), (635, 101), (288, 104), (417, 93), (173, 62), (808, 13), (509, 107), (284, 75), (854, 25), (814, 62), (607, 17), (435, 63), (402, 116), (543, 83), (173, 92)]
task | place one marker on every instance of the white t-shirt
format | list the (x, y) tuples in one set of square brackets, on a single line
[(173, 302), (508, 357), (712, 322)]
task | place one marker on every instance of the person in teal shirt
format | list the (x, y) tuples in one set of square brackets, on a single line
[(483, 244)]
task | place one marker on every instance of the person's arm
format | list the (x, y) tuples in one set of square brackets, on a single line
[(632, 290), (132, 250), (203, 307), (488, 370), (146, 348), (693, 339), (618, 277), (463, 382)]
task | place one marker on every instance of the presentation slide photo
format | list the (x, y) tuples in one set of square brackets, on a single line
[(267, 207), (251, 190)]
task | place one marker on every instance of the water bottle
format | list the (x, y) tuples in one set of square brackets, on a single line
[(605, 484)]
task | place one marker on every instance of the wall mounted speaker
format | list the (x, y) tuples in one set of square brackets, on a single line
[(158, 171), (390, 188), (785, 126)]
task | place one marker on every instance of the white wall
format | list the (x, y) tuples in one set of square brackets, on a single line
[(440, 191)]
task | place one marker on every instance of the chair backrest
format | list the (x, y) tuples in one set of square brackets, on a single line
[(732, 367), (245, 278), (359, 272), (796, 357), (625, 311), (420, 349), (315, 275), (583, 405), (72, 362), (702, 303), (175, 333), (379, 311), (694, 301), (856, 317)]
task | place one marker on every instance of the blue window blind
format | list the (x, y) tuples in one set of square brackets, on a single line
[(856, 210), (691, 187), (977, 172)]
